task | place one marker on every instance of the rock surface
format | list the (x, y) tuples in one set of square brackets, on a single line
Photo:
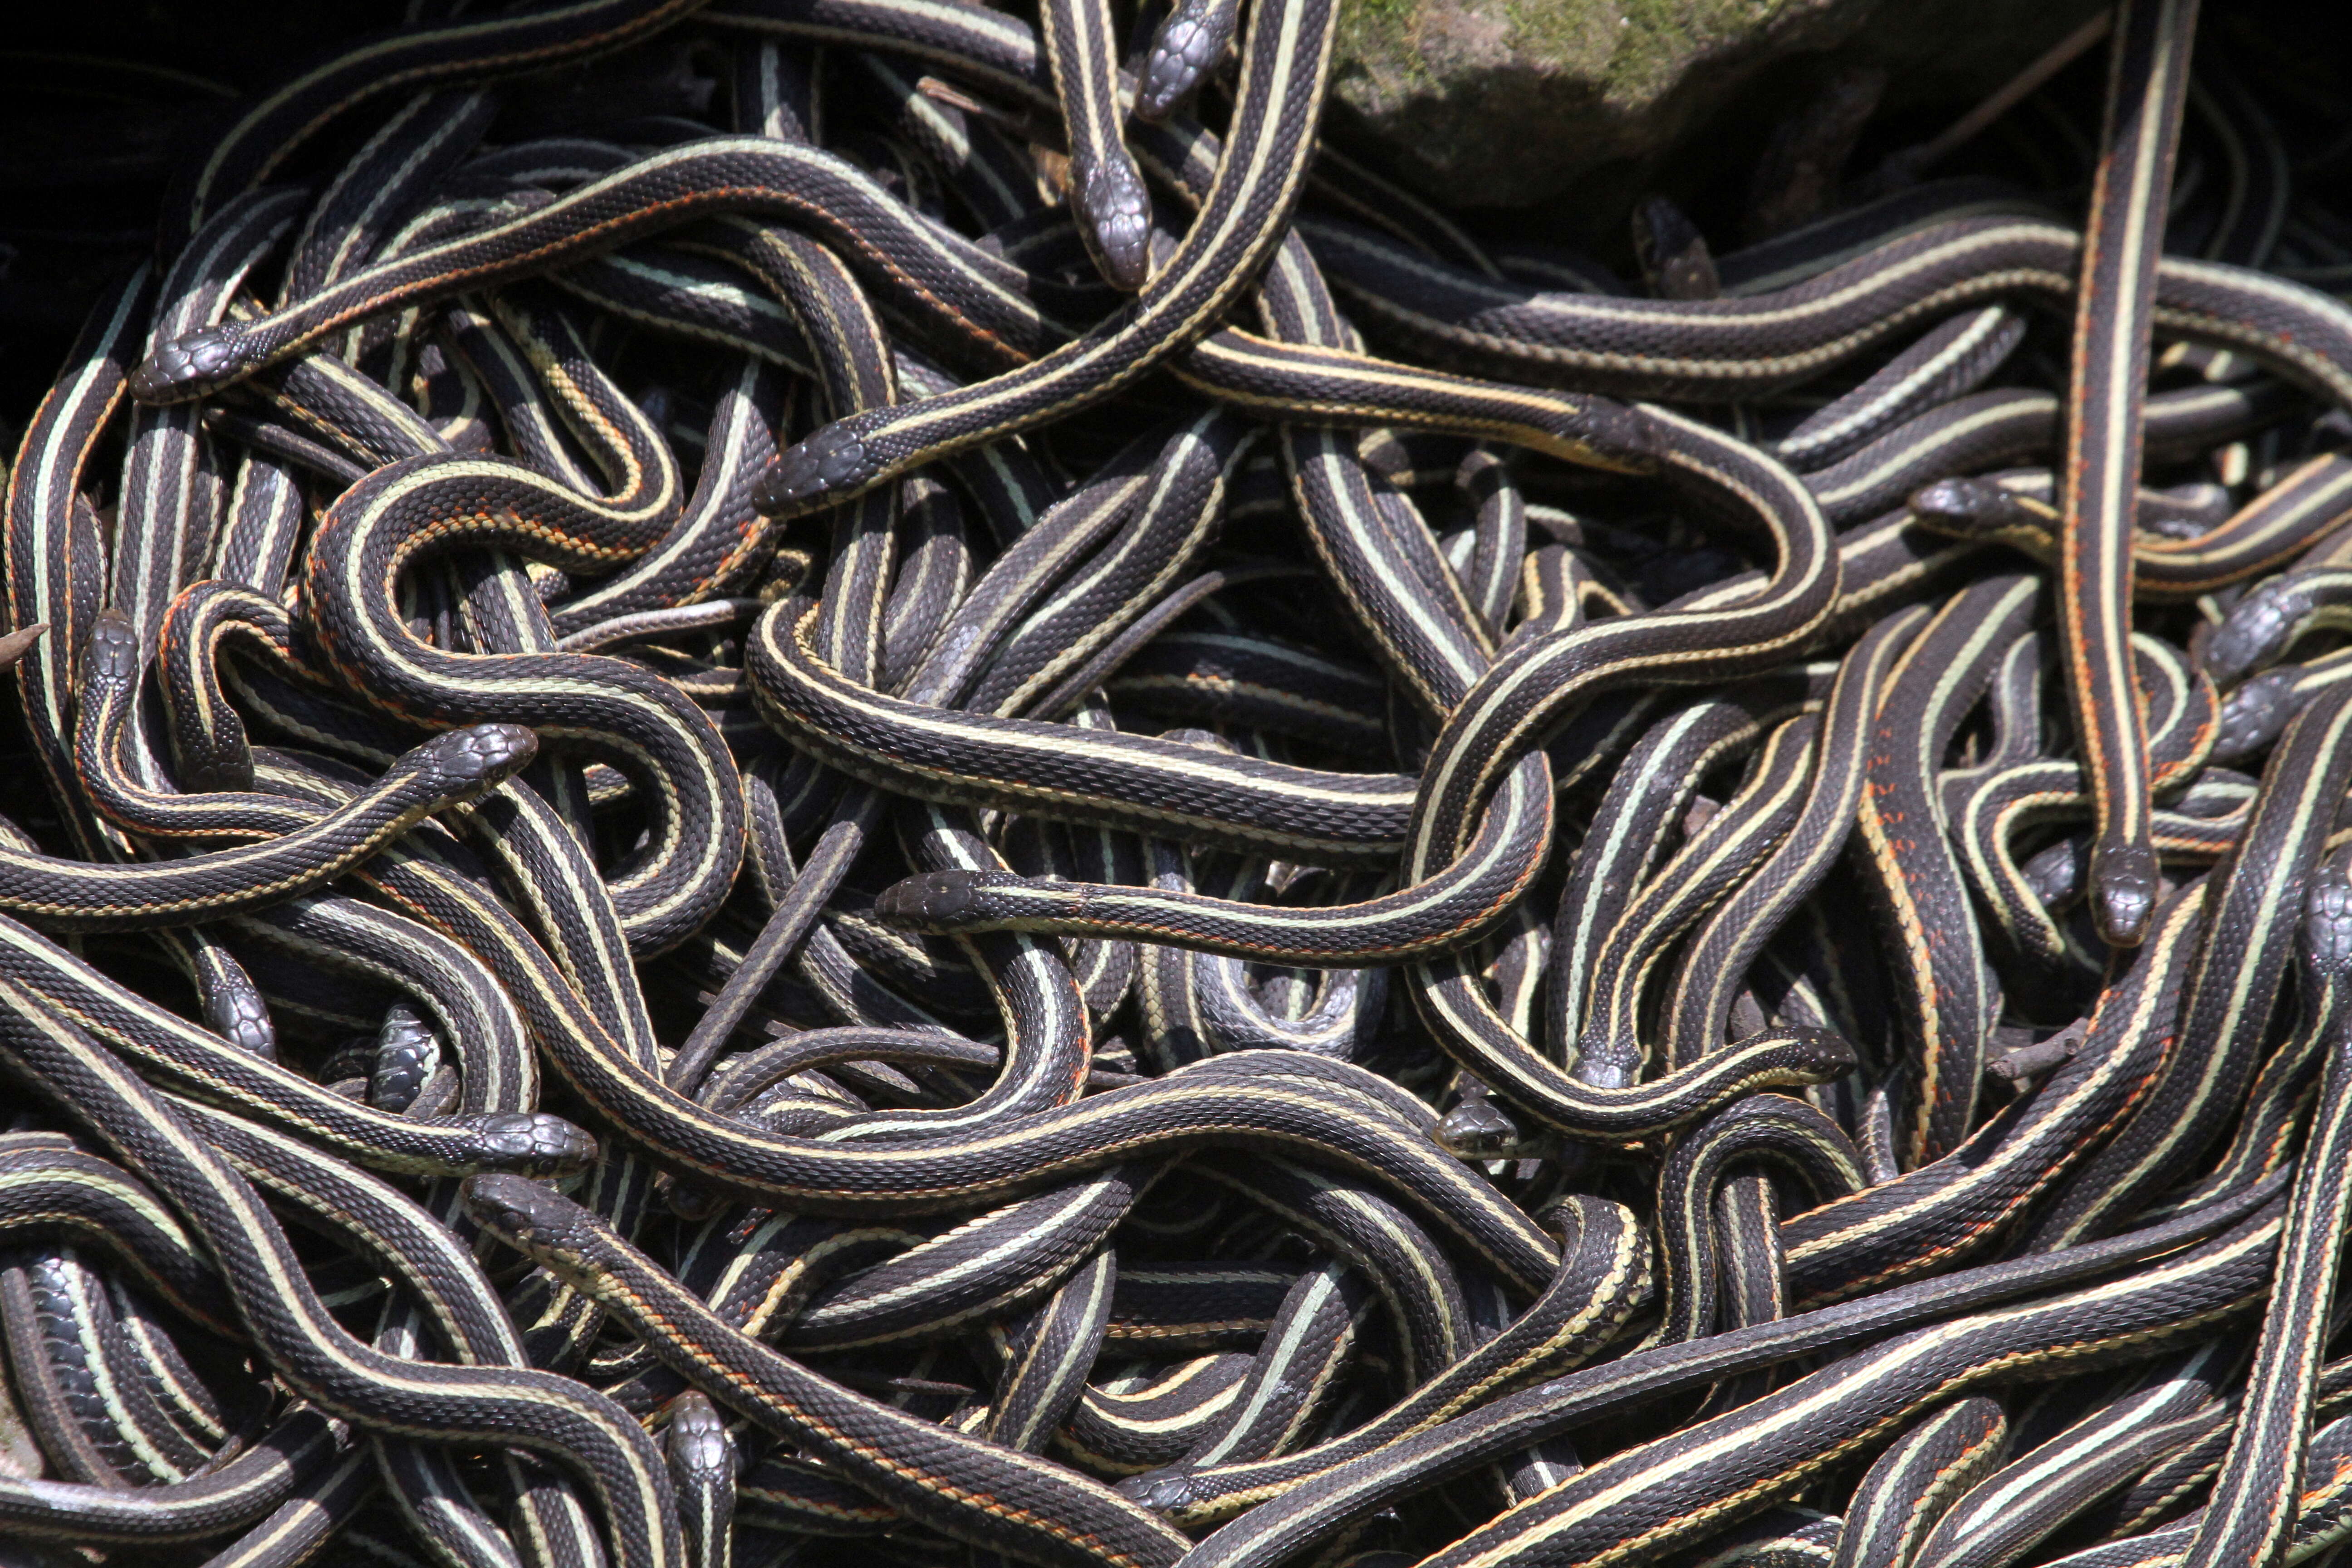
[(1504, 102)]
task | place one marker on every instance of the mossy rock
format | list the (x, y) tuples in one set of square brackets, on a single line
[(1509, 102)]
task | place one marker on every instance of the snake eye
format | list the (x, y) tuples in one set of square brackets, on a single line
[(535, 1143), (495, 750), (189, 365), (1477, 1130), (1158, 1490), (1617, 437), (1116, 222), (479, 754), (919, 901), (112, 653), (830, 460)]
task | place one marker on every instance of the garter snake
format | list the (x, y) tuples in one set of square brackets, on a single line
[(295, 110), (74, 895), (1918, 1476), (1106, 196), (982, 1167), (2148, 83), (987, 1494), (606, 707), (1604, 1277), (1457, 888), (1314, 1507), (2254, 1496), (286, 1318)]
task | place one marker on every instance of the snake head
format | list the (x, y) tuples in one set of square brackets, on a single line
[(1611, 435), (2124, 883), (2327, 918), (697, 1443), (1477, 1130), (2254, 714), (1114, 214), (689, 1202), (110, 656), (1833, 1050), (2254, 633), (533, 1143), (1975, 508), (1950, 506), (1820, 1055), (543, 1224), (407, 1054), (190, 364), (2056, 875), (936, 900), (1187, 48), (467, 762), (1606, 1062), (1160, 1490), (833, 460), (237, 1015)]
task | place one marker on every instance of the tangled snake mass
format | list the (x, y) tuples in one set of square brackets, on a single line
[(923, 794)]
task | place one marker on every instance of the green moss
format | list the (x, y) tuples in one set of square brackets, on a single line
[(1377, 38), (1563, 32), (1631, 46), (1661, 36)]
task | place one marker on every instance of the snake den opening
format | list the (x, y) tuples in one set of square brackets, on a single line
[(1173, 784)]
